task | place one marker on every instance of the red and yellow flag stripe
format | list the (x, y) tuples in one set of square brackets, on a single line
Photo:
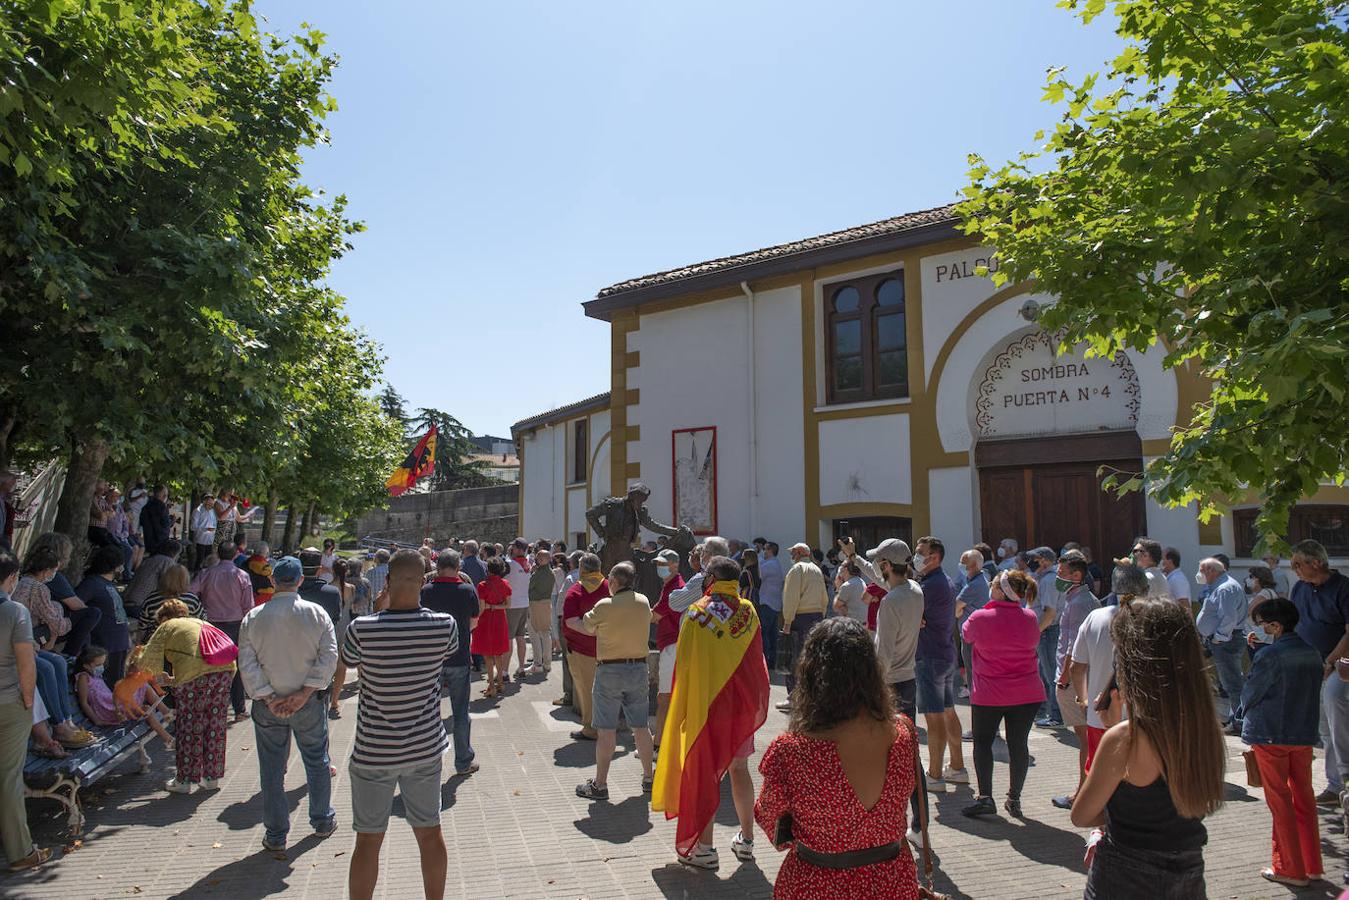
[(720, 700)]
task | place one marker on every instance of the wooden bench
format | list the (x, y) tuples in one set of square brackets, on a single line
[(61, 779)]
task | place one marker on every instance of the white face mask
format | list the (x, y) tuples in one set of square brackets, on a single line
[(1200, 579), (1002, 553), (1250, 584), (919, 562)]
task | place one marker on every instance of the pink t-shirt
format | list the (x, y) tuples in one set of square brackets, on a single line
[(1003, 637)]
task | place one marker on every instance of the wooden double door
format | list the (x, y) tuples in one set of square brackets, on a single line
[(1047, 492)]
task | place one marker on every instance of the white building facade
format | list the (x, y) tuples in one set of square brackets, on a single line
[(876, 382)]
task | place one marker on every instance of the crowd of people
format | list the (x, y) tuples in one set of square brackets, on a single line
[(1146, 673)]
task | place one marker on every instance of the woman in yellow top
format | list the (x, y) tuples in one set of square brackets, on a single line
[(201, 693)]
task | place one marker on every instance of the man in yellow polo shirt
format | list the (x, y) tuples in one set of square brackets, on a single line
[(622, 627), (804, 600)]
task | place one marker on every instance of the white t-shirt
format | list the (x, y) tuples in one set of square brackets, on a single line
[(1179, 585), (1095, 648), (518, 579)]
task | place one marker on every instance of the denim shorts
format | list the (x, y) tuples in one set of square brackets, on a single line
[(620, 686), (372, 790), (936, 688)]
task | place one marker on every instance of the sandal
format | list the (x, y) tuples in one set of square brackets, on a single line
[(39, 856), (51, 751)]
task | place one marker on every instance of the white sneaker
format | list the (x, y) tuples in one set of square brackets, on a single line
[(210, 784), (701, 857), (935, 785), (743, 849), (956, 776), (179, 787), (915, 837)]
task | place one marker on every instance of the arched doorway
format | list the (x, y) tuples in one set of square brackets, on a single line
[(1044, 426)]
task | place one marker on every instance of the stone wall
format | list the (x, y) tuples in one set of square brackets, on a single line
[(489, 513)]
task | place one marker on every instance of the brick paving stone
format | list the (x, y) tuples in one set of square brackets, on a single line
[(517, 830)]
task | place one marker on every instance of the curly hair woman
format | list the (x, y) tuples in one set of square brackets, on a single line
[(1158, 773), (843, 773)]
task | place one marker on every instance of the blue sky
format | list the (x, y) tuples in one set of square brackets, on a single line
[(512, 158)]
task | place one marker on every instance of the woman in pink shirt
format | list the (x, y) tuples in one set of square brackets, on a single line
[(1006, 687)]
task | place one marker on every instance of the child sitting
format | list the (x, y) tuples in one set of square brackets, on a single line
[(134, 696)]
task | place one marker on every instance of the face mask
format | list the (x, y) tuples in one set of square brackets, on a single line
[(919, 562), (1002, 553), (1063, 585), (98, 671), (1200, 579), (663, 572), (1250, 584)]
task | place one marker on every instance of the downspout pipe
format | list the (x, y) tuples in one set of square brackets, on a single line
[(753, 416)]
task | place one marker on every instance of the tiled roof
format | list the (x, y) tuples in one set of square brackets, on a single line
[(940, 215), (599, 401)]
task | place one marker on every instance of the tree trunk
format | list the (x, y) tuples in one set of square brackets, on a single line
[(269, 518), (306, 522), (72, 513), (7, 419), (288, 535)]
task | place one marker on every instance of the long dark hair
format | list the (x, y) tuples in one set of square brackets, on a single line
[(1160, 668), (838, 678)]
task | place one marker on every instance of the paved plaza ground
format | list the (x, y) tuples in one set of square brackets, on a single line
[(517, 829)]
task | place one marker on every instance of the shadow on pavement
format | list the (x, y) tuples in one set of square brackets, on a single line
[(748, 881), (260, 874), (242, 816), (1031, 838), (616, 823)]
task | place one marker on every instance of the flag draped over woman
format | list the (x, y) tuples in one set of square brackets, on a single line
[(720, 699)]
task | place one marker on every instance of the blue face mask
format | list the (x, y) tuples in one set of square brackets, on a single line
[(663, 572), (98, 671)]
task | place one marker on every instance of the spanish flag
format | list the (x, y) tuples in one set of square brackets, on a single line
[(720, 699), (421, 461)]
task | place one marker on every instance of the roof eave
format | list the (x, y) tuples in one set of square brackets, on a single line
[(591, 404), (603, 308)]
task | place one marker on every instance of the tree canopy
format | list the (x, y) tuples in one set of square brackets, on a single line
[(162, 265), (1194, 193)]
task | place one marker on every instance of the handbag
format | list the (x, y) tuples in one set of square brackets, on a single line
[(926, 891), (1253, 778), (215, 646)]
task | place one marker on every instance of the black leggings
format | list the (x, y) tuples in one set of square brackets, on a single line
[(984, 723)]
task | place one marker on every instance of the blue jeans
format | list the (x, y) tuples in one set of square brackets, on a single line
[(1227, 661), (52, 681), (801, 626), (1334, 727), (1049, 643), (768, 623), (272, 734), (456, 680)]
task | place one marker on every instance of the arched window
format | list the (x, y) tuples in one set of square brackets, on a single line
[(867, 339)]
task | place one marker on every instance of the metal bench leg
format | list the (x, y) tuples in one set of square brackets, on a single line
[(65, 790)]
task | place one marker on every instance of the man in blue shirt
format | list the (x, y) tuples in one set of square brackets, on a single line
[(771, 578), (1047, 607), (935, 665), (1321, 596), (1220, 622)]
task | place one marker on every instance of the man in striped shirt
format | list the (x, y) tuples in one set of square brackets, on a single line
[(400, 738)]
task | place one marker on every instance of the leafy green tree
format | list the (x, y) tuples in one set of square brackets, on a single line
[(161, 265), (1195, 193), (393, 404), (454, 447)]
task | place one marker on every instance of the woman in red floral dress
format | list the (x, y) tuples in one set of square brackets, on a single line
[(491, 639), (843, 773)]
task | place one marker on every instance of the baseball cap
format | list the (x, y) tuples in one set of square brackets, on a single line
[(892, 550), (287, 570), (668, 556)]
